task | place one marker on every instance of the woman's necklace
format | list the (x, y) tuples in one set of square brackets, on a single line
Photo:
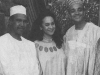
[(47, 40), (45, 48)]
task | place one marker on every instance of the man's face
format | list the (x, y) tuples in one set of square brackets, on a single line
[(76, 12), (19, 24)]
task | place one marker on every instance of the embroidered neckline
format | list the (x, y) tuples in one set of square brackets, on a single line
[(46, 49)]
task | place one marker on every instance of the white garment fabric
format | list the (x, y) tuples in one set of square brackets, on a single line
[(52, 62), (80, 49), (97, 59), (17, 57)]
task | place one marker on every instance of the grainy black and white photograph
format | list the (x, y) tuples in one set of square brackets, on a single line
[(49, 37)]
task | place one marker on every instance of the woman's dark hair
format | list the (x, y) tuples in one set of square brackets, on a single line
[(37, 33)]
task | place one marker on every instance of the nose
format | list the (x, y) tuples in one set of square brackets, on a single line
[(76, 12), (22, 23), (50, 26)]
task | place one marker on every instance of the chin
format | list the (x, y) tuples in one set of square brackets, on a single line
[(50, 34), (21, 33), (77, 20)]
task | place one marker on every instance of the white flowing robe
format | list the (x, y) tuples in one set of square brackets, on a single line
[(17, 57), (80, 49)]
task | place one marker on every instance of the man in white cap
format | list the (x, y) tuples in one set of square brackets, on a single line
[(17, 55), (80, 41)]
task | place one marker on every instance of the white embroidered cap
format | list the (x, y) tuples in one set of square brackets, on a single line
[(18, 9), (71, 2)]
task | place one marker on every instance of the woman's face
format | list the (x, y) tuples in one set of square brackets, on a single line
[(48, 25)]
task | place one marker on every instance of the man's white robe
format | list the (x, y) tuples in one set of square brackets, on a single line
[(17, 57), (80, 49)]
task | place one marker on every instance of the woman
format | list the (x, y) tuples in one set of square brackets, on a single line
[(48, 42)]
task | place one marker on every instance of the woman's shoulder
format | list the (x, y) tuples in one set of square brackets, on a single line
[(36, 41), (61, 52)]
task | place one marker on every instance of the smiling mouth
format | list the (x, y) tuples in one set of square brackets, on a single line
[(51, 30), (77, 17)]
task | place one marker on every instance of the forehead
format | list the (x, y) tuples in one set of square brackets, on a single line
[(76, 5), (48, 19), (20, 16)]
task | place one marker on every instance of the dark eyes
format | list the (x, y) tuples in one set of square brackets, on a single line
[(47, 24), (72, 10), (19, 20), (79, 10)]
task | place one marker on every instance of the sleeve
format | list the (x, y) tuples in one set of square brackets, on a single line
[(39, 65), (36, 64), (65, 45), (64, 42), (63, 62), (1, 70), (97, 36), (65, 49), (97, 59), (95, 55), (91, 61), (93, 51), (40, 68)]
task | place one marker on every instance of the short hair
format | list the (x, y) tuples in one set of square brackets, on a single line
[(37, 34)]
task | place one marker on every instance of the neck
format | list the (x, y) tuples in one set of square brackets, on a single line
[(16, 36), (47, 38), (80, 25)]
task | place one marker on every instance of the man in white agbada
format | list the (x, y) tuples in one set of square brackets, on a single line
[(80, 41), (17, 54)]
